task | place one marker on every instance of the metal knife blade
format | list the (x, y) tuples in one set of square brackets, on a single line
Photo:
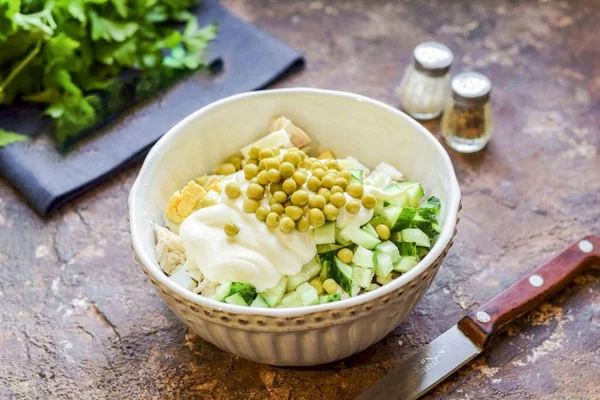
[(425, 368)]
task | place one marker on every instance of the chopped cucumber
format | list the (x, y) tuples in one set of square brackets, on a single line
[(416, 236), (293, 299), (344, 241), (278, 138), (405, 218), (325, 234), (222, 291), (369, 229), (379, 219), (342, 274), (326, 267), (362, 277), (372, 286), (390, 249), (355, 291), (430, 228), (324, 248), (247, 291), (259, 302), (422, 251), (363, 258), (356, 175), (329, 298), (384, 264), (274, 295), (407, 249), (431, 206), (310, 269), (405, 264), (236, 299), (308, 294), (405, 193), (360, 237)]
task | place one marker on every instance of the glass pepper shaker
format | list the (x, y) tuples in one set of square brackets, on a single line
[(425, 86), (467, 121)]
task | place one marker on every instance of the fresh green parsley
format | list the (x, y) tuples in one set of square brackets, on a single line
[(61, 53)]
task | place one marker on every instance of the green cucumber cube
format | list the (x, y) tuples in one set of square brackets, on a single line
[(236, 299), (384, 264), (222, 291), (369, 229), (274, 295), (309, 270), (329, 298), (360, 237), (308, 294), (363, 258), (416, 236), (342, 274), (362, 277), (247, 291), (405, 264), (259, 302), (390, 249), (356, 175), (325, 234)]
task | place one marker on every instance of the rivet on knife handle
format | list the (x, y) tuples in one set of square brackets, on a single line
[(529, 292)]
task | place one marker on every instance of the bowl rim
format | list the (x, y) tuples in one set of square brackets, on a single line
[(156, 272)]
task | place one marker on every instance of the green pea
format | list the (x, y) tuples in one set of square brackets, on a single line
[(369, 201), (318, 165), (300, 198), (316, 217), (313, 183), (280, 196), (250, 205), (331, 212), (318, 172), (293, 157), (345, 174), (232, 190), (353, 206), (300, 178), (338, 200), (336, 189), (272, 220), (265, 153), (286, 224), (345, 255), (250, 171), (325, 193), (289, 186), (226, 169), (287, 169), (294, 212), (270, 163), (261, 213), (355, 190), (254, 151), (332, 164), (277, 208), (341, 182), (255, 191), (275, 187), (317, 201), (262, 178), (253, 161), (273, 175), (328, 181), (207, 202), (231, 229), (302, 224), (383, 231)]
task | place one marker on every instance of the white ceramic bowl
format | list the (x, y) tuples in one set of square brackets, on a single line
[(347, 123)]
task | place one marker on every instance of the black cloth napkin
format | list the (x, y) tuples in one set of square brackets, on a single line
[(49, 178)]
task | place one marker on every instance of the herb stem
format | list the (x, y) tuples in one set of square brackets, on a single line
[(22, 64)]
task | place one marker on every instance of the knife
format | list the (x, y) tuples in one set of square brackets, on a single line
[(427, 367)]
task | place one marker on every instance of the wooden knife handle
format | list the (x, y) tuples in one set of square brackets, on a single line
[(531, 291)]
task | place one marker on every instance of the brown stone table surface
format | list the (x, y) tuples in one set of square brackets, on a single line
[(79, 320)]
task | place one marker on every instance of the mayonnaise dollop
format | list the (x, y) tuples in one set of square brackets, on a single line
[(256, 255)]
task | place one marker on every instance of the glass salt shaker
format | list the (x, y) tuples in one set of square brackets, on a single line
[(425, 86), (467, 121)]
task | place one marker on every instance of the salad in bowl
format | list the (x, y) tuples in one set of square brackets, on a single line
[(279, 225)]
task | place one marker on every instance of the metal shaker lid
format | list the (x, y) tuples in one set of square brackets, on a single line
[(433, 58), (471, 88)]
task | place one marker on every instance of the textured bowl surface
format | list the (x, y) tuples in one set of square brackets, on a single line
[(346, 123)]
